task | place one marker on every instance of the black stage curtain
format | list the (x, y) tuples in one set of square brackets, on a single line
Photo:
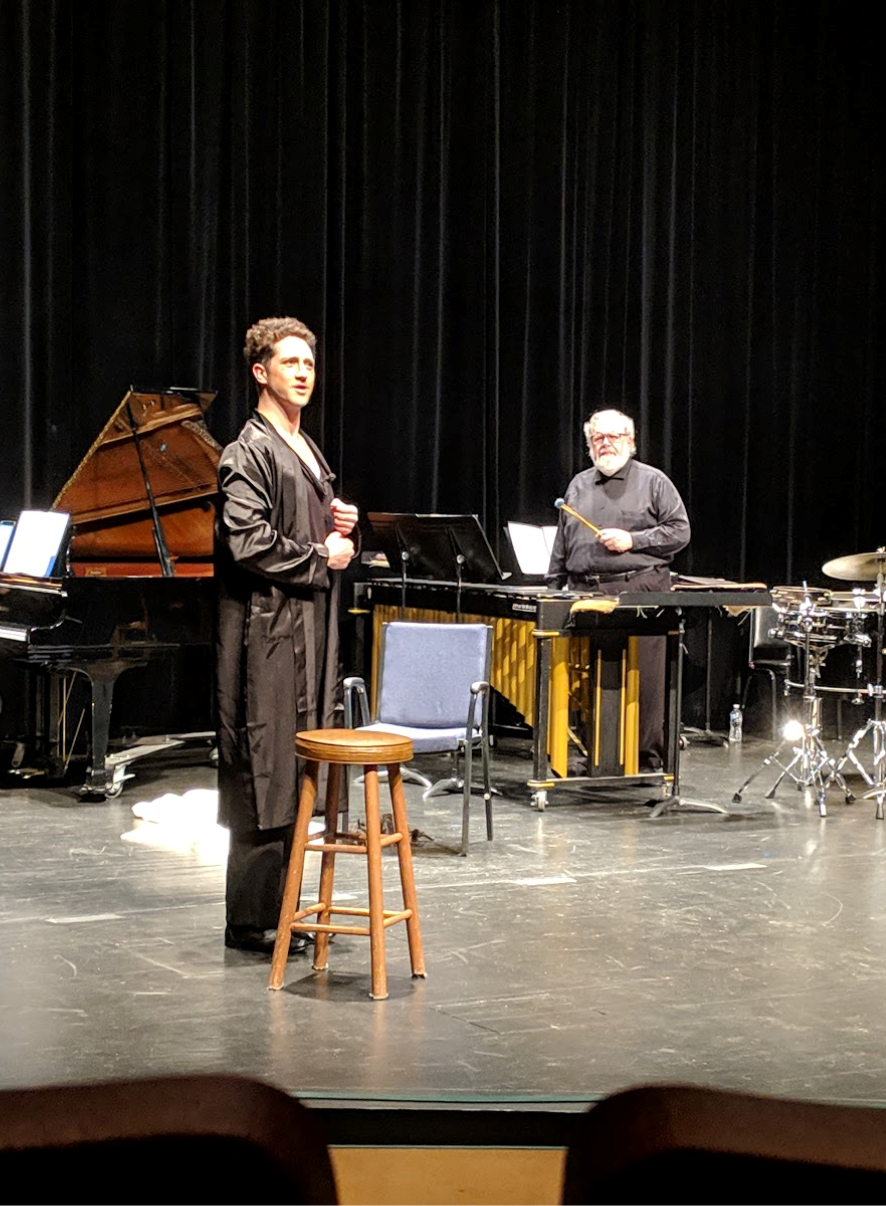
[(496, 214)]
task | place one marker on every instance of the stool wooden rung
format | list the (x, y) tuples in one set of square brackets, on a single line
[(390, 918), (337, 748)]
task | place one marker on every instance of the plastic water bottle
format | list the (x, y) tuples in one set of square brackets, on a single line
[(735, 725)]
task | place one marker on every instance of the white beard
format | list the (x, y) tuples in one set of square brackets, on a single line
[(610, 462)]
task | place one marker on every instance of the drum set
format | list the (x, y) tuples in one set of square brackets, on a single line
[(815, 620)]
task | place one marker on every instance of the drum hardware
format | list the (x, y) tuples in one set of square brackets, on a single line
[(804, 623), (861, 566)]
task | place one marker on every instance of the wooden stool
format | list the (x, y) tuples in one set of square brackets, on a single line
[(349, 747)]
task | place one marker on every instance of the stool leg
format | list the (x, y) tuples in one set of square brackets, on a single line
[(407, 879), (376, 885), (294, 871), (327, 866)]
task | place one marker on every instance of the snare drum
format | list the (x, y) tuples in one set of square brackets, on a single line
[(852, 602), (805, 616)]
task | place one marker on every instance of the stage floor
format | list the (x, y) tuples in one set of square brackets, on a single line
[(588, 947)]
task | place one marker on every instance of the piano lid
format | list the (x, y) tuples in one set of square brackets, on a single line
[(106, 495), (180, 456)]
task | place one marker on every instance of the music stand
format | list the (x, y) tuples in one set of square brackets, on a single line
[(439, 548)]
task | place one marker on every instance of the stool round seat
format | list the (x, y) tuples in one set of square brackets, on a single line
[(353, 747)]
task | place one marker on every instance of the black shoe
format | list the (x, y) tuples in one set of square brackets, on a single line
[(650, 763), (247, 938)]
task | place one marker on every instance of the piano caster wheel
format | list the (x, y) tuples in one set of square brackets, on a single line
[(110, 791), (539, 800)]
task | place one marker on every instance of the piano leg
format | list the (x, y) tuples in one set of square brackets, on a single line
[(102, 679)]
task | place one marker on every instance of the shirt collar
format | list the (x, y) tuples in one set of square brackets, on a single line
[(620, 475)]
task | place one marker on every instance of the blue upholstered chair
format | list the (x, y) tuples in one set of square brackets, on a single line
[(433, 687)]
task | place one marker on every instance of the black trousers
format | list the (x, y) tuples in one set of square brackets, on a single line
[(257, 862), (653, 669)]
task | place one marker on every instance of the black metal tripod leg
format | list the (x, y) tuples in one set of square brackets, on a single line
[(736, 799)]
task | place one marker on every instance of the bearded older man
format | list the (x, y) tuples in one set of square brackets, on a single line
[(643, 525)]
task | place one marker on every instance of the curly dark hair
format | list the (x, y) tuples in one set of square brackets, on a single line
[(263, 336)]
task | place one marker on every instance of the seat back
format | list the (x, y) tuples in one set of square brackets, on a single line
[(198, 1138), (764, 646), (426, 672), (693, 1144)]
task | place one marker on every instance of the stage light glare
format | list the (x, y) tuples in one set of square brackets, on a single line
[(793, 731)]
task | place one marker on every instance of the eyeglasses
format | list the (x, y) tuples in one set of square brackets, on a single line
[(609, 437)]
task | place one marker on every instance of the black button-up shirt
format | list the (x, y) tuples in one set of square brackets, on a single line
[(638, 498)]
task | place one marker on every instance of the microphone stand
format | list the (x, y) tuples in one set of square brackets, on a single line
[(459, 567), (404, 561)]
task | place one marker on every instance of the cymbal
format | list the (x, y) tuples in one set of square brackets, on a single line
[(857, 567)]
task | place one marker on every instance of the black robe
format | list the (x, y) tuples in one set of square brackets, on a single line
[(277, 650)]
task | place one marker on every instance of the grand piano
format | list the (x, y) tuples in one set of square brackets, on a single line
[(136, 582)]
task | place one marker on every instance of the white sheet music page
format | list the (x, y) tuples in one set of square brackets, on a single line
[(532, 546), (36, 543)]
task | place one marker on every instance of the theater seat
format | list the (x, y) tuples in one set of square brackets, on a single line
[(680, 1143), (172, 1139)]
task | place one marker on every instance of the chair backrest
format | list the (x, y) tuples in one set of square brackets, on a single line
[(426, 672), (696, 1144), (200, 1138), (763, 644)]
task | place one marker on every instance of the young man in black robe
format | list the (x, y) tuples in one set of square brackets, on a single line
[(282, 538)]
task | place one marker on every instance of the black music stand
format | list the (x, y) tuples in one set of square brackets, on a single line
[(439, 548)]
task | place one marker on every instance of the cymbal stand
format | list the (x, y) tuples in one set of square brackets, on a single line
[(810, 766), (875, 726)]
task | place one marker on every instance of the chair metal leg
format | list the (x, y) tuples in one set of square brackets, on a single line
[(463, 783), (487, 788), (466, 798)]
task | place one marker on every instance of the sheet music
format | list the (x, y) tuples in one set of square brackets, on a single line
[(36, 544), (532, 544)]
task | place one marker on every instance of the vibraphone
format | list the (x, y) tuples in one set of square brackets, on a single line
[(568, 664)]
